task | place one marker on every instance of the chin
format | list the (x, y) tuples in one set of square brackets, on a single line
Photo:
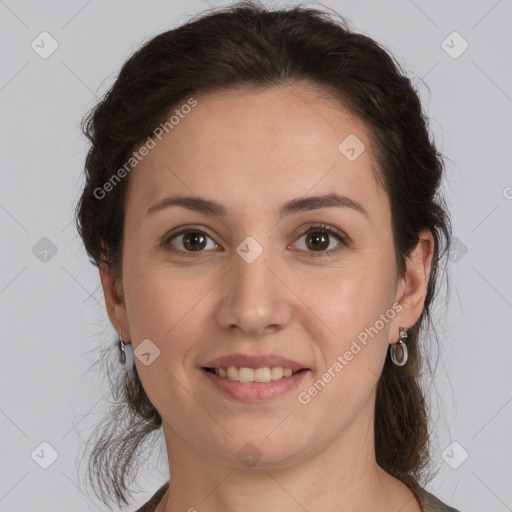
[(257, 452)]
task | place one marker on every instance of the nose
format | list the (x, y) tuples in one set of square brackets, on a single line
[(255, 299)]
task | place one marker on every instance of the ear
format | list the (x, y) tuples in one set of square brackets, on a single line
[(412, 288), (114, 300)]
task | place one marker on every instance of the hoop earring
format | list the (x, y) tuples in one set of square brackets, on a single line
[(401, 346), (122, 352)]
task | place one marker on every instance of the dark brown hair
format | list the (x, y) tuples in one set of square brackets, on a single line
[(246, 44)]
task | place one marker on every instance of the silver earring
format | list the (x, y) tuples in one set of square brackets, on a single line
[(122, 352), (401, 347)]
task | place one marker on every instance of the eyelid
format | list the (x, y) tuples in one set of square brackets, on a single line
[(185, 229), (324, 227)]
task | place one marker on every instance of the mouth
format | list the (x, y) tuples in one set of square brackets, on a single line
[(254, 385), (253, 378), (247, 375)]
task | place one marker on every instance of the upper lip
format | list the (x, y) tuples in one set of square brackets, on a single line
[(254, 362)]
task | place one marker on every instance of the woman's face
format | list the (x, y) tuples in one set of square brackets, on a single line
[(256, 276)]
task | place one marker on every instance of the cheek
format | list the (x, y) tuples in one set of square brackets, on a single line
[(167, 311), (167, 308), (352, 347), (353, 308), (349, 298), (155, 309)]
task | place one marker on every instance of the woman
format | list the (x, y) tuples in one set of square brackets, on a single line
[(262, 201)]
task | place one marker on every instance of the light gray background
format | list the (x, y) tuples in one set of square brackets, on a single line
[(52, 312)]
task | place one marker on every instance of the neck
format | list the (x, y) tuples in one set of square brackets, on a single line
[(342, 477)]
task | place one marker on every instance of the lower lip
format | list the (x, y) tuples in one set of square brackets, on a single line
[(255, 391)]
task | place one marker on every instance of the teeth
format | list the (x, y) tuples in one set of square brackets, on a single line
[(264, 374), (232, 373), (246, 375), (277, 373)]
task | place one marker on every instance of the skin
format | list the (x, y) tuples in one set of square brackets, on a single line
[(252, 151)]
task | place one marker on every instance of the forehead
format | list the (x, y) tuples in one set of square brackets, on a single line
[(246, 145)]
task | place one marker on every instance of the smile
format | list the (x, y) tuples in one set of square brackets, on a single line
[(264, 374), (243, 385)]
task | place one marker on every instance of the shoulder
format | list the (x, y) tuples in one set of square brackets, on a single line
[(150, 505), (429, 503)]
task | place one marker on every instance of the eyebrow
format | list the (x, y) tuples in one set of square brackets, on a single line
[(301, 204)]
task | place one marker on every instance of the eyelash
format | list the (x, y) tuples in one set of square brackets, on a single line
[(317, 228)]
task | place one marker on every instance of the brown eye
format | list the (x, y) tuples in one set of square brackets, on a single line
[(194, 241), (321, 240), (316, 241), (190, 241)]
